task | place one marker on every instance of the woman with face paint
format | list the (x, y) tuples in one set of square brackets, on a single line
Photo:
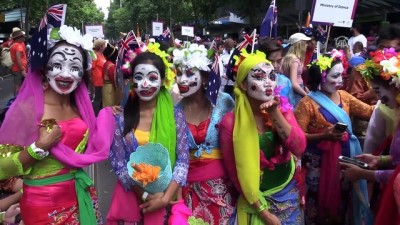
[(148, 116), (259, 142), (317, 115), (209, 194), (386, 84), (53, 114)]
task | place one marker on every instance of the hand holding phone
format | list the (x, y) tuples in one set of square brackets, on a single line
[(339, 127), (356, 162)]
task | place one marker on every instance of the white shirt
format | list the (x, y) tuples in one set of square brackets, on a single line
[(360, 38), (225, 56)]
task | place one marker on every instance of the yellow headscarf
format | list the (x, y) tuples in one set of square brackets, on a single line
[(245, 135)]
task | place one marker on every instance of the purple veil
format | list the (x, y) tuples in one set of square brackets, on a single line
[(20, 126)]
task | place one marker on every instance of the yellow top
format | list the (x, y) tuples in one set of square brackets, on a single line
[(142, 137)]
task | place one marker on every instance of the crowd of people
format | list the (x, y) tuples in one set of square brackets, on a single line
[(253, 138)]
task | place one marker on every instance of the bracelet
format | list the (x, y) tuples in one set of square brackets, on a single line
[(2, 216), (33, 154), (261, 208), (144, 196), (383, 159)]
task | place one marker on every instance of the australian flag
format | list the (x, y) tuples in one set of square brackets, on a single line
[(231, 70), (128, 43), (214, 82), (269, 26), (165, 36), (54, 17)]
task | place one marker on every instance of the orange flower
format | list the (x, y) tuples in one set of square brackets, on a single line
[(145, 173)]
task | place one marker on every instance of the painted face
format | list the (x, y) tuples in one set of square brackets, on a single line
[(146, 81), (387, 94), (65, 69), (188, 80), (261, 82), (333, 79)]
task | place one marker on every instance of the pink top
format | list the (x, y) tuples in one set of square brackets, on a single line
[(286, 70), (73, 131), (295, 143)]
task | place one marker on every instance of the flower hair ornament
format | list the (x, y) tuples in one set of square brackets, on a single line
[(383, 65), (324, 63), (169, 72), (194, 57), (72, 36)]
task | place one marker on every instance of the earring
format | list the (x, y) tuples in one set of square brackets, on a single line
[(45, 86), (204, 86), (398, 99)]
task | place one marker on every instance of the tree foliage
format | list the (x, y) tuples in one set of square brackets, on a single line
[(78, 11), (125, 15)]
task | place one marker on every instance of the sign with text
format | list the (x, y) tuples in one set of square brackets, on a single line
[(338, 13), (188, 31), (95, 30), (157, 28)]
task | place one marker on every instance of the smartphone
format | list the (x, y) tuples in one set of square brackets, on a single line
[(340, 127), (353, 161)]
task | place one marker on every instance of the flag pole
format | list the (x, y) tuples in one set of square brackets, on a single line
[(272, 23), (254, 40)]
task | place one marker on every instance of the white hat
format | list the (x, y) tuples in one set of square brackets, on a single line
[(298, 37)]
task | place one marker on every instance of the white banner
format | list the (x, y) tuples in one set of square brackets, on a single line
[(188, 31), (95, 30), (338, 13), (158, 28)]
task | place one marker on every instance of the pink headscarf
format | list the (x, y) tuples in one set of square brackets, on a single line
[(20, 126)]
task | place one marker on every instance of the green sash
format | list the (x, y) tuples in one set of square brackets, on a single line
[(82, 183)]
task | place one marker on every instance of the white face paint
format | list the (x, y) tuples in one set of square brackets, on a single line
[(386, 94), (261, 82), (188, 80), (333, 79), (146, 81), (65, 69)]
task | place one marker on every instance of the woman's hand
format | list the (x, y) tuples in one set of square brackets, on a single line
[(371, 160), (154, 203), (154, 196), (48, 139), (330, 134), (271, 105), (116, 109), (269, 218), (351, 172), (11, 212)]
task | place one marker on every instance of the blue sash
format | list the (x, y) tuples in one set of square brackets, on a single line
[(361, 208)]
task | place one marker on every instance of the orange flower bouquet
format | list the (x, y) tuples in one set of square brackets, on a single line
[(150, 167), (145, 173)]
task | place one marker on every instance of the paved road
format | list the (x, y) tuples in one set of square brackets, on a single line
[(6, 90)]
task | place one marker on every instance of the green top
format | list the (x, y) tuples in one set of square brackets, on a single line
[(282, 173), (10, 166)]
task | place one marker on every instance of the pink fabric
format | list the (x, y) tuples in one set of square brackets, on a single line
[(329, 181), (131, 214), (128, 214), (73, 131), (41, 205), (202, 170), (20, 126), (295, 144), (180, 214)]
